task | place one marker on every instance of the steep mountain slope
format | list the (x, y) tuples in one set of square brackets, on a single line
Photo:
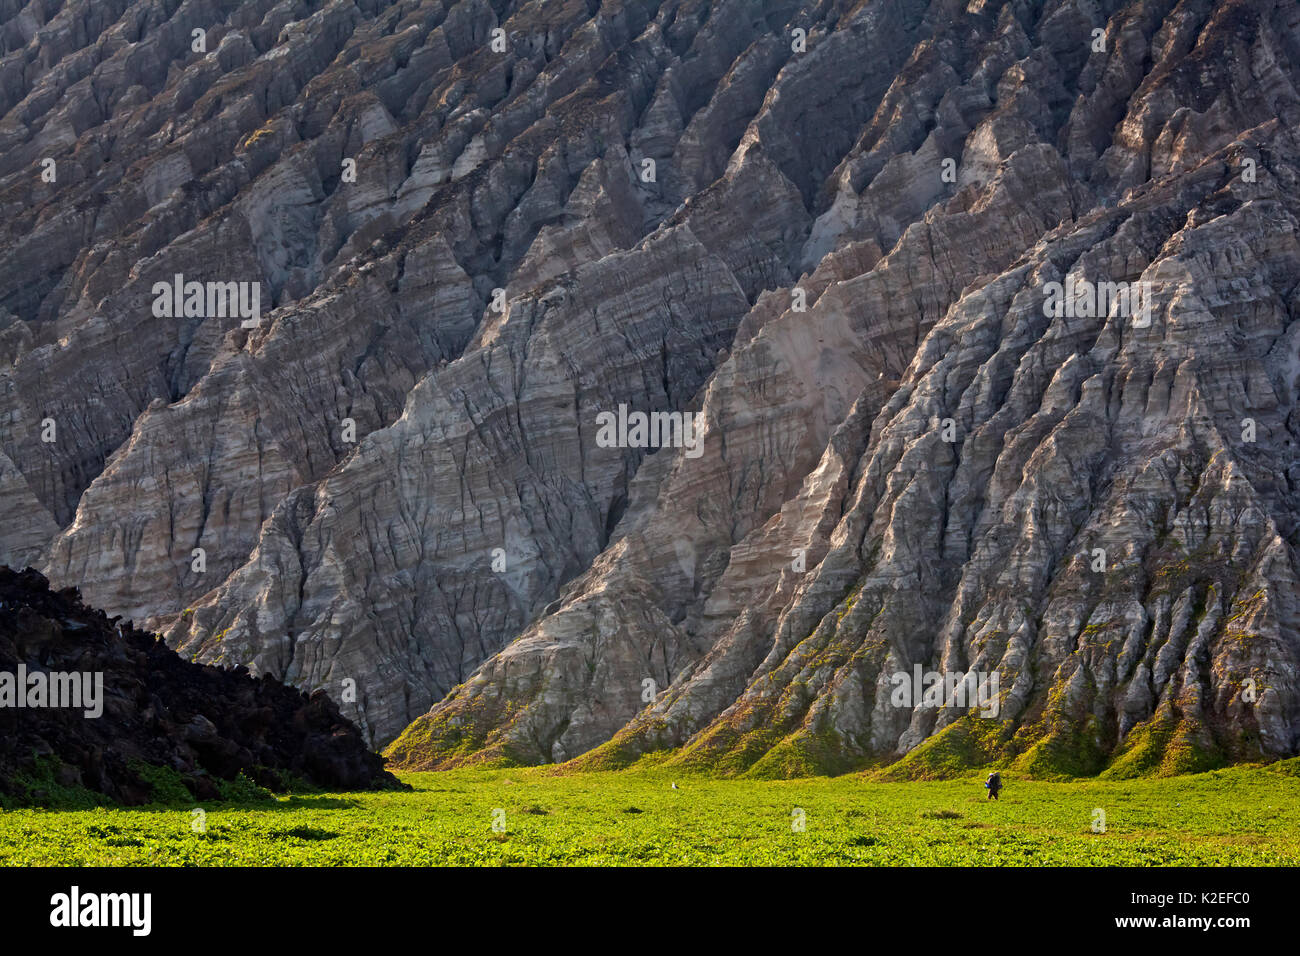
[(830, 228), (1170, 447)]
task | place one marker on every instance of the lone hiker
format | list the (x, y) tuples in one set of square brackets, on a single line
[(993, 784)]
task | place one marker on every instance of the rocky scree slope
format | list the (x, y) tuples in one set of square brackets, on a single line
[(162, 721), (840, 261)]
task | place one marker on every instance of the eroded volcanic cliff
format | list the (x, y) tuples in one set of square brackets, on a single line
[(829, 228)]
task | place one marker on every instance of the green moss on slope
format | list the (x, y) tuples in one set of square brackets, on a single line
[(969, 743)]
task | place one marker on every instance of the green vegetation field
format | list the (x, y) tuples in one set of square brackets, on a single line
[(1243, 816)]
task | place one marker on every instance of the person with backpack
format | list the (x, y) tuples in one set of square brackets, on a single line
[(993, 784)]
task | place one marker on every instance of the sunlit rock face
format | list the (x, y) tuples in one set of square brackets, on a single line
[(945, 340)]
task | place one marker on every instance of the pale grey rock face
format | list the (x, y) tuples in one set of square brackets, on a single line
[(833, 244), (778, 600)]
